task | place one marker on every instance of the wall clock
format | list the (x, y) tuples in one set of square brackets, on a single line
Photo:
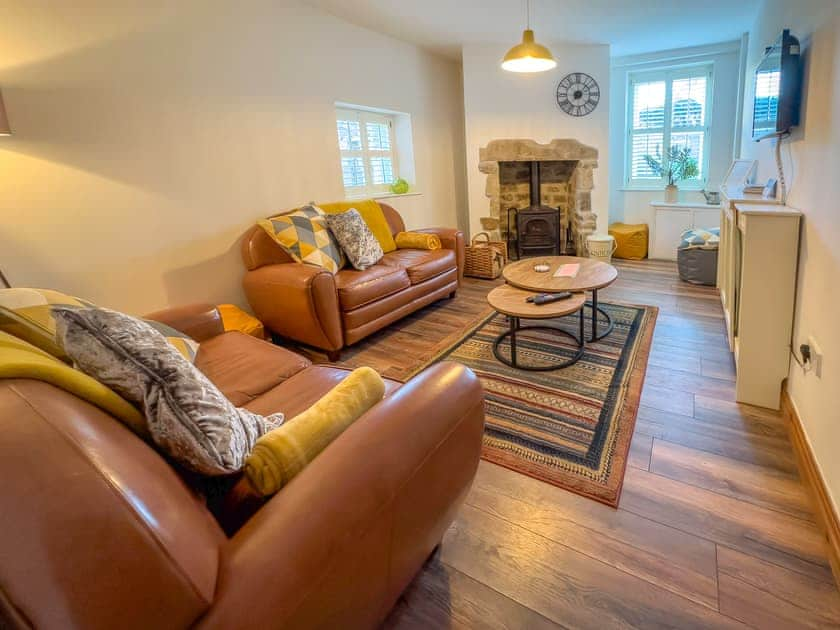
[(578, 94)]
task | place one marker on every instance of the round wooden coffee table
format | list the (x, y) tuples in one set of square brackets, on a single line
[(592, 275), (513, 302)]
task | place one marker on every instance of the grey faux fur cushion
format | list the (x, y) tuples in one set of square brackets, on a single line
[(188, 417)]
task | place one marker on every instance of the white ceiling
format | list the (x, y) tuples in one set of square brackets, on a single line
[(629, 26)]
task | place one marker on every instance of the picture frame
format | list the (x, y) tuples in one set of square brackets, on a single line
[(769, 191), (739, 174)]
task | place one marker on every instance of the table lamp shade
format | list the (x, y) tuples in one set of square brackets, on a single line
[(5, 129)]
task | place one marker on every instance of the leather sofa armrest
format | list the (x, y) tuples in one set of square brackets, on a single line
[(337, 546), (297, 301), (199, 321), (451, 238)]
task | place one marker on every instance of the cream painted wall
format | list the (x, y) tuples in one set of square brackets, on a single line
[(812, 157), (500, 104), (633, 206), (149, 137)]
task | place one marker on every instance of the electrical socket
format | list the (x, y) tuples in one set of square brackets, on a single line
[(816, 356)]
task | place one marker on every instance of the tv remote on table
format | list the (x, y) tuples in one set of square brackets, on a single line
[(547, 298)]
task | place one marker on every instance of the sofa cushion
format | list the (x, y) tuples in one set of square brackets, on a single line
[(188, 417), (298, 393), (421, 264), (244, 367), (374, 218), (355, 238), (283, 452), (417, 240), (27, 314), (304, 235), (357, 288)]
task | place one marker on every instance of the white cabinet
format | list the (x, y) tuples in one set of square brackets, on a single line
[(759, 250), (671, 219)]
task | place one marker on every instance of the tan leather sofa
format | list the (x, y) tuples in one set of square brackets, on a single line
[(99, 531), (314, 307)]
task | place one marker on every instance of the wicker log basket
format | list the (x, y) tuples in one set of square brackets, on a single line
[(485, 258)]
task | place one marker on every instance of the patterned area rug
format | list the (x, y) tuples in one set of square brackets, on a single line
[(570, 427)]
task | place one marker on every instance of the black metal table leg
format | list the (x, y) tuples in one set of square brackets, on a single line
[(593, 304), (515, 328), (514, 324)]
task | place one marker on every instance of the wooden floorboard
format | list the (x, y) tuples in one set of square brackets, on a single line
[(714, 527)]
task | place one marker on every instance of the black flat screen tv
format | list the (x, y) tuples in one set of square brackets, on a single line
[(778, 88)]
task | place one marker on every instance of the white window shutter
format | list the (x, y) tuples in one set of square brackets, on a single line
[(667, 108), (368, 158)]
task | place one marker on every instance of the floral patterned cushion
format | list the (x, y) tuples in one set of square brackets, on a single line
[(355, 238)]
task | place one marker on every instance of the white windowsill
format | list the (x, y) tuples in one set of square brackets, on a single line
[(694, 188), (389, 195)]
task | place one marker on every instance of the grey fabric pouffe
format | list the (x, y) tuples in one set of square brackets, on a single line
[(697, 256)]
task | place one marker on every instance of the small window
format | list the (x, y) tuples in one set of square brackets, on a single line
[(667, 109), (368, 155)]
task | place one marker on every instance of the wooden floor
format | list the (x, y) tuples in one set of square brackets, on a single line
[(714, 528)]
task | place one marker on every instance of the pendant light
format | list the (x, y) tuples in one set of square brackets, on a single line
[(529, 56)]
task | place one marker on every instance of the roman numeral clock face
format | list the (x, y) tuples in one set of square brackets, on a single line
[(578, 94)]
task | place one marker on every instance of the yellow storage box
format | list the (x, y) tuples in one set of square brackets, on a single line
[(631, 240)]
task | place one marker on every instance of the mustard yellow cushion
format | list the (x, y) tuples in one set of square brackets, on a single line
[(304, 235), (26, 314), (282, 453), (372, 214), (234, 318), (19, 359), (417, 240)]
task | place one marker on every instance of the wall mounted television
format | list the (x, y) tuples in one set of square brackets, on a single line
[(778, 88)]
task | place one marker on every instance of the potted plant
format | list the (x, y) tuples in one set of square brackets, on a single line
[(677, 166)]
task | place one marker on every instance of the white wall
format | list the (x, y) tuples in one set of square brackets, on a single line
[(500, 105), (150, 135), (812, 157), (633, 206)]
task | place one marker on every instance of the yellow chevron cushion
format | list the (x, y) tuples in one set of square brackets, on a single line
[(373, 216), (283, 452), (304, 235), (26, 314), (19, 359)]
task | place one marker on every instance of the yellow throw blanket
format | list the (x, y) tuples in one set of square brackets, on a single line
[(417, 240), (283, 452), (19, 359)]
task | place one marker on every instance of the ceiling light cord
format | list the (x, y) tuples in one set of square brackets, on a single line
[(528, 13)]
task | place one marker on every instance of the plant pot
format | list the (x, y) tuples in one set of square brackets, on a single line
[(671, 193)]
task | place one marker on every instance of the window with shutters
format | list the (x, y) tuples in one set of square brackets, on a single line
[(368, 151), (667, 109)]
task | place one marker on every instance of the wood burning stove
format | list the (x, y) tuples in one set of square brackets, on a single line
[(537, 226)]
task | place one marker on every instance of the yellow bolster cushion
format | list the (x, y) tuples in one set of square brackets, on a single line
[(19, 359), (417, 240), (283, 452), (373, 216)]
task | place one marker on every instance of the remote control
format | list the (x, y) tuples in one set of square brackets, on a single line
[(547, 298)]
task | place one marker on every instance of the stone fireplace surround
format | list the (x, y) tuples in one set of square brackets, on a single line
[(566, 182)]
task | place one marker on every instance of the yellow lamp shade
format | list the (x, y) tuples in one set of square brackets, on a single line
[(529, 56)]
